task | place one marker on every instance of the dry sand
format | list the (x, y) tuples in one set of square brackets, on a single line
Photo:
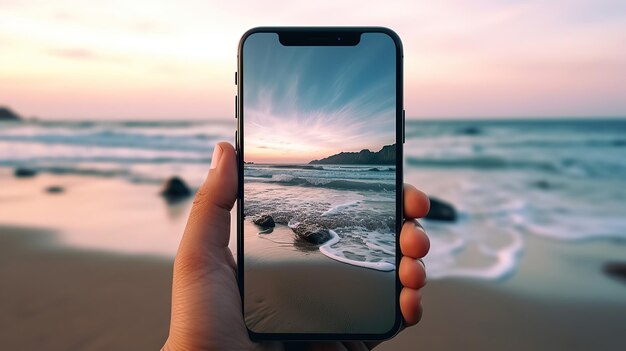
[(63, 299)]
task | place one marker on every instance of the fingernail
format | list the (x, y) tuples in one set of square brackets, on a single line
[(217, 155)]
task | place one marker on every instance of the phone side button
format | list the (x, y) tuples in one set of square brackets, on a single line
[(403, 126), (236, 107), (236, 142)]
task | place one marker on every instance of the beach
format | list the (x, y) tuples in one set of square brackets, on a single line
[(57, 299), (87, 265)]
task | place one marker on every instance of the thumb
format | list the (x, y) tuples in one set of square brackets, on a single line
[(204, 288), (208, 227)]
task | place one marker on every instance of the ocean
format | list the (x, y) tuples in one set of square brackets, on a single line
[(564, 180), (356, 204)]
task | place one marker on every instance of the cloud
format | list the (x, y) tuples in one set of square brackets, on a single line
[(82, 54), (63, 16), (308, 103), (462, 58), (150, 27)]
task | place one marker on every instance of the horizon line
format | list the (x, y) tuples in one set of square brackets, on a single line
[(415, 118)]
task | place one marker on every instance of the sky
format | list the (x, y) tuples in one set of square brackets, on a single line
[(305, 103), (176, 59)]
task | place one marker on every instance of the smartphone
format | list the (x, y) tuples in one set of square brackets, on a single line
[(319, 140)]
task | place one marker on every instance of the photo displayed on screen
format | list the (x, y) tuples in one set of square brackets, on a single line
[(319, 186)]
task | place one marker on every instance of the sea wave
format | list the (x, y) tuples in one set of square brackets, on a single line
[(338, 184), (339, 208), (601, 166), (564, 143), (119, 139), (35, 161), (339, 254), (337, 168), (481, 162), (308, 167), (443, 258)]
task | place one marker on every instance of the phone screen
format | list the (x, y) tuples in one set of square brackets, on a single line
[(320, 185)]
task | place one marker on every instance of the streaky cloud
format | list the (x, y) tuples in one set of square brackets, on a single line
[(319, 100)]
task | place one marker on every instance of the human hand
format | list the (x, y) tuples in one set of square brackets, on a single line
[(206, 305)]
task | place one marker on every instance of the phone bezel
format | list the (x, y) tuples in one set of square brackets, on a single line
[(294, 32)]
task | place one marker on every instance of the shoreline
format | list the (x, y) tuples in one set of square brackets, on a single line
[(91, 213), (283, 235)]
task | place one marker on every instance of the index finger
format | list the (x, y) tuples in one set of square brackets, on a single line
[(416, 203)]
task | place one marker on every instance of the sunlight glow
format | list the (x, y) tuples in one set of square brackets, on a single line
[(488, 58)]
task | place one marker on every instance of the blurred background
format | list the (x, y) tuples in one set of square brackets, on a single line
[(516, 128)]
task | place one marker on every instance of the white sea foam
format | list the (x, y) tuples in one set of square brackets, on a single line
[(338, 255), (382, 248), (339, 208), (443, 259), (572, 227), (282, 177)]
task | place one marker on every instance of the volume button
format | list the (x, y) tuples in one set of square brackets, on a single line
[(403, 126), (236, 107)]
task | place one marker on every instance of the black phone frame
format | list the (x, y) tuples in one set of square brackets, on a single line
[(321, 36)]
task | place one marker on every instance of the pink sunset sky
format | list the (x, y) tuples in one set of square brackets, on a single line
[(176, 59)]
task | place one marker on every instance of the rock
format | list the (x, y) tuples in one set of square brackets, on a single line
[(386, 156), (441, 211), (616, 270), (312, 233), (55, 189), (470, 131), (24, 172), (6, 114), (265, 221), (542, 184), (175, 189)]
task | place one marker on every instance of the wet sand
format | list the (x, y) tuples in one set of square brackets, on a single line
[(469, 315), (63, 299), (308, 289)]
